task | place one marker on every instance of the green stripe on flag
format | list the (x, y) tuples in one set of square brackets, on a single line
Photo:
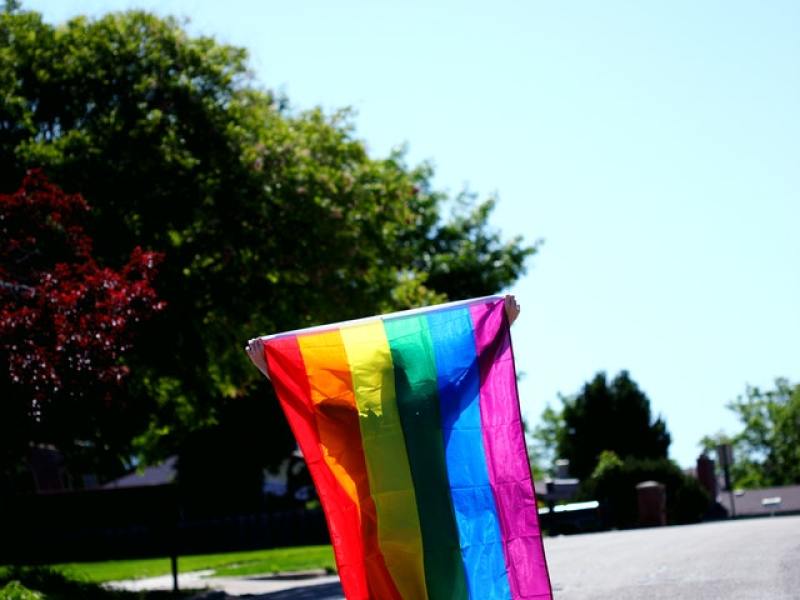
[(388, 470), (416, 389)]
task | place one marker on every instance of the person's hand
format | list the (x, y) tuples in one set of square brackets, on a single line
[(255, 350), (512, 309)]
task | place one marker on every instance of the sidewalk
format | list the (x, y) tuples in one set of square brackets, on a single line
[(287, 586)]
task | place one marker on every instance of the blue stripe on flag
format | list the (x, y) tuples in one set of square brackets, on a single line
[(458, 378)]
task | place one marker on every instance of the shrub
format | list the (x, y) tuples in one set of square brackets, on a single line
[(614, 481), (14, 590)]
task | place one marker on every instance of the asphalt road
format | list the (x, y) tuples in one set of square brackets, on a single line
[(730, 560), (753, 559)]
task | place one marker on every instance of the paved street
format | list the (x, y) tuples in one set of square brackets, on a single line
[(754, 559)]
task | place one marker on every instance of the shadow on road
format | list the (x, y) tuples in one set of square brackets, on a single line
[(325, 591)]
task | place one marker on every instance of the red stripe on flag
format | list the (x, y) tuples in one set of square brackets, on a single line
[(288, 374)]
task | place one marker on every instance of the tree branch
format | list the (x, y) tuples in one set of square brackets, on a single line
[(18, 288)]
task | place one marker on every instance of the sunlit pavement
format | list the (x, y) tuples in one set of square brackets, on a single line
[(745, 559), (736, 560)]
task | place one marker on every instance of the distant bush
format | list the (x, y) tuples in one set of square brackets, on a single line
[(52, 584), (614, 481), (14, 590)]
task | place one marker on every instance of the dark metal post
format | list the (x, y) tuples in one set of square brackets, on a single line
[(174, 561), (174, 535), (725, 456)]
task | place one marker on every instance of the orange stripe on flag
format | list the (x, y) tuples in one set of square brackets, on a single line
[(340, 441)]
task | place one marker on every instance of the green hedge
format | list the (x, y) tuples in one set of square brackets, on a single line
[(614, 481)]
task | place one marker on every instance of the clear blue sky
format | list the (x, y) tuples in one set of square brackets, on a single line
[(655, 147)]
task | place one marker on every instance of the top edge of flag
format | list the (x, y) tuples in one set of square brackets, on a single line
[(401, 313)]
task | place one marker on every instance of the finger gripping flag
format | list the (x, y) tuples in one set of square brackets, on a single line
[(411, 429)]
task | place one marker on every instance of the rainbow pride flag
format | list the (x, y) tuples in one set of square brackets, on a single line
[(411, 429)]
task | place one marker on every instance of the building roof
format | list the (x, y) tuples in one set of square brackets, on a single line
[(159, 474), (763, 501)]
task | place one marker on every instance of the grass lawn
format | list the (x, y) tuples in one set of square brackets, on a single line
[(235, 563)]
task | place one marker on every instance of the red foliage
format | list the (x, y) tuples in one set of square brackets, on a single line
[(65, 322)]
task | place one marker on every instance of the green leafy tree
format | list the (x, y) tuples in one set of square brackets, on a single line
[(269, 218), (767, 450), (544, 439), (604, 415)]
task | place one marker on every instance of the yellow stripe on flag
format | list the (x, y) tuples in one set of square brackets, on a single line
[(399, 534)]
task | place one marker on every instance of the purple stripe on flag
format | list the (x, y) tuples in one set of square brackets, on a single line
[(506, 455)]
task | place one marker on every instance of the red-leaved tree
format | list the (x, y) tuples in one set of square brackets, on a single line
[(66, 324)]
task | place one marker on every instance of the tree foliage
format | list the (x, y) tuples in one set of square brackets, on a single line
[(66, 324), (604, 415), (269, 218), (767, 449), (544, 441)]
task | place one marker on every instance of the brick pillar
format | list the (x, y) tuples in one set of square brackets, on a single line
[(652, 499), (707, 476)]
